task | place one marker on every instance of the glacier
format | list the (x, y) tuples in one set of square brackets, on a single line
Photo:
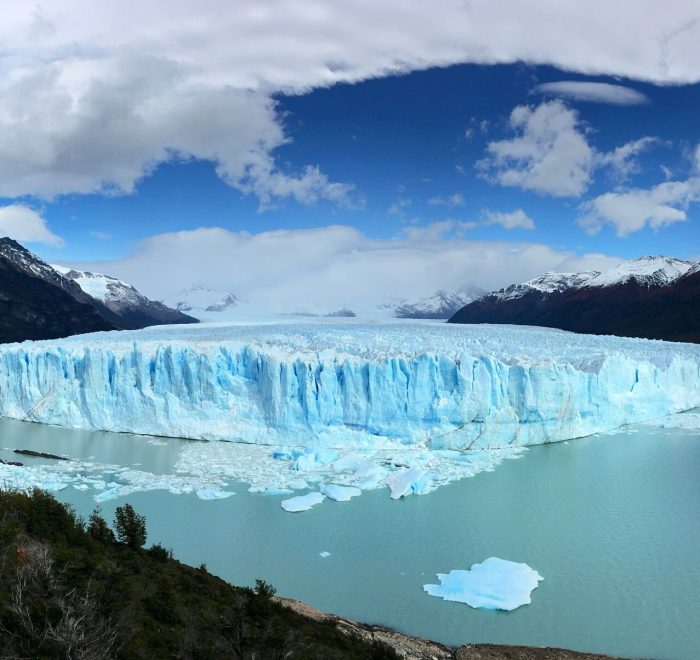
[(349, 385), (494, 584)]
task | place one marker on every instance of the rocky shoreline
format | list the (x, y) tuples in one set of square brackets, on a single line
[(417, 648)]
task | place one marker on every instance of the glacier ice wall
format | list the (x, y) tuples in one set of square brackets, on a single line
[(447, 387)]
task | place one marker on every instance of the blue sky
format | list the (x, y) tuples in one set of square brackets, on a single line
[(112, 148), (403, 141)]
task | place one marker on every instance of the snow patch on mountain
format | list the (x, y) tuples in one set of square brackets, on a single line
[(645, 271), (546, 284), (114, 293)]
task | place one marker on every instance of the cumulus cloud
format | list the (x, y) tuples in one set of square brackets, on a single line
[(94, 95), (517, 219), (549, 153), (26, 225), (340, 267), (631, 210), (595, 92)]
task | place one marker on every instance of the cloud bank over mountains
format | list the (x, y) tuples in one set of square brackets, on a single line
[(320, 270)]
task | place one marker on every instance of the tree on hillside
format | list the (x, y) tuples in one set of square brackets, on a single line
[(130, 527), (98, 527)]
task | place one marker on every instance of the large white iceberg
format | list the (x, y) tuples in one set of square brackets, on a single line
[(495, 584), (340, 386)]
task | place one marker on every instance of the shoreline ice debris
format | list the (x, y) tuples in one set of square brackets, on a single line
[(495, 584), (302, 502), (409, 481), (443, 387)]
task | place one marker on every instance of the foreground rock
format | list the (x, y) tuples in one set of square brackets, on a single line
[(417, 648)]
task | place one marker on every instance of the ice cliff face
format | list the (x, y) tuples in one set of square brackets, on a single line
[(447, 387)]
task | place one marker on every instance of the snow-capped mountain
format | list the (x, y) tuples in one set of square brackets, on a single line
[(132, 307), (36, 302), (649, 271), (441, 305), (654, 297), (200, 299), (644, 271), (545, 284)]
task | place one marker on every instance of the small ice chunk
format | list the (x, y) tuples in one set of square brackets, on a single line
[(298, 484), (495, 584), (324, 554), (340, 493), (302, 502), (213, 494), (369, 475), (80, 486), (405, 482)]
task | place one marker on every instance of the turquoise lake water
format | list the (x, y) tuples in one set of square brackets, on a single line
[(611, 522)]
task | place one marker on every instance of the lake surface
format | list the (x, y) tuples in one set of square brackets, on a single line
[(611, 522)]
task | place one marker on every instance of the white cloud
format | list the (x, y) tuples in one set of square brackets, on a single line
[(549, 154), (93, 95), (631, 210), (451, 200), (595, 92), (623, 159), (340, 265), (26, 225), (517, 219)]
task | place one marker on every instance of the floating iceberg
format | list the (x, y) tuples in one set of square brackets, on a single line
[(343, 386), (339, 493), (495, 584), (213, 494), (302, 502)]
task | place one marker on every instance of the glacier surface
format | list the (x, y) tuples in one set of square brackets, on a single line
[(440, 387), (495, 584)]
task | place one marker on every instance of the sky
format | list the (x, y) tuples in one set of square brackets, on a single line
[(336, 154)]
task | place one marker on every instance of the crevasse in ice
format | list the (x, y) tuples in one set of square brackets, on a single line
[(445, 387)]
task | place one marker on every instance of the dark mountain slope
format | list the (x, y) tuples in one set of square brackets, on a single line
[(31, 308), (39, 302)]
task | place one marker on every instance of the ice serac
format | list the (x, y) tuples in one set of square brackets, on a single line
[(441, 387)]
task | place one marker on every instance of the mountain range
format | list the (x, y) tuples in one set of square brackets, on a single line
[(441, 305), (653, 297), (40, 301)]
